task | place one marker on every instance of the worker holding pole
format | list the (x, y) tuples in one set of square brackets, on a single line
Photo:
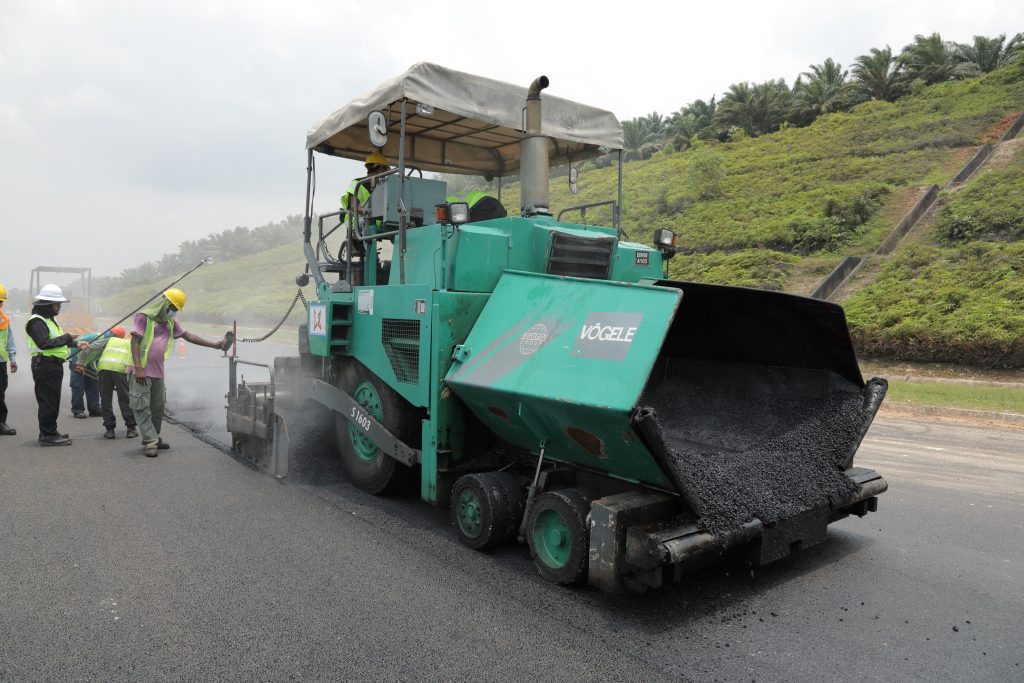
[(108, 359), (155, 328), (7, 354)]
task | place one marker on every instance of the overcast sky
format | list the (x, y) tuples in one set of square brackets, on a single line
[(128, 127)]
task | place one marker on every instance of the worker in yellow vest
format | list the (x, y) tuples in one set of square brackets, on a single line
[(376, 163), (48, 346), (7, 354), (108, 358), (155, 327)]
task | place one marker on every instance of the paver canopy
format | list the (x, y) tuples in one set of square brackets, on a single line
[(461, 123)]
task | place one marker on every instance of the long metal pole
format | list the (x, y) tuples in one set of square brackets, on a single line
[(198, 265), (401, 197), (618, 210)]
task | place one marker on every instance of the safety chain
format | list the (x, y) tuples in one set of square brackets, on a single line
[(298, 296)]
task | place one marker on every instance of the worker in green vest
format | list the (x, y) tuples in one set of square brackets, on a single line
[(7, 354), (356, 198), (48, 346), (108, 358), (155, 328), (376, 163), (482, 206)]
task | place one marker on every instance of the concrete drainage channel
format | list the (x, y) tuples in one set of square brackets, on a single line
[(842, 274)]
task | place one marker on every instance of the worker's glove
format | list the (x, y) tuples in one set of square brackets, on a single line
[(14, 367), (228, 341)]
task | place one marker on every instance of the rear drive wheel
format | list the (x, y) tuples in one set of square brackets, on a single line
[(364, 463), (558, 531), (486, 508)]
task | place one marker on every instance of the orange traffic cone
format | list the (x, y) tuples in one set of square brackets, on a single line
[(182, 353)]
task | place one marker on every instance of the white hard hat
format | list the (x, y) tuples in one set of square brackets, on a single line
[(51, 292)]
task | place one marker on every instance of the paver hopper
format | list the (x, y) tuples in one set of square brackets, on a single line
[(543, 378)]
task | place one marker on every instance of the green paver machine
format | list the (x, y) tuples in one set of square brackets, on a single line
[(542, 378)]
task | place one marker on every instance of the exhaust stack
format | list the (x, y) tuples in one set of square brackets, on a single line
[(533, 174)]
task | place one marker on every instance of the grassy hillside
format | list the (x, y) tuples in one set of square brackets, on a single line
[(957, 294), (253, 288)]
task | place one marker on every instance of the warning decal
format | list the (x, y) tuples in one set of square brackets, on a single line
[(318, 320)]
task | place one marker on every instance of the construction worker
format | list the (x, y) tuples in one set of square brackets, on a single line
[(108, 358), (482, 206), (7, 354), (376, 163), (85, 388), (151, 340), (48, 346)]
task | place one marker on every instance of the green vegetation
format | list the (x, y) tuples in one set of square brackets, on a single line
[(256, 288), (998, 399), (991, 208), (958, 304)]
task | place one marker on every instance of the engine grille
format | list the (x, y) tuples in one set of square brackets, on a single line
[(589, 257), (401, 341)]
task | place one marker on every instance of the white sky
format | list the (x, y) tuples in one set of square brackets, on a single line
[(128, 127)]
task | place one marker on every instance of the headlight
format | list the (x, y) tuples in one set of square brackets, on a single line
[(459, 212), (664, 238)]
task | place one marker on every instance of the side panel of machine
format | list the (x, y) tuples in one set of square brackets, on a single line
[(634, 261), (562, 361), (453, 315), (391, 336)]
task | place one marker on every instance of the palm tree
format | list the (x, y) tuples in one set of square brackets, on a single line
[(929, 59), (693, 121), (824, 91), (987, 54), (878, 75), (642, 135), (757, 108)]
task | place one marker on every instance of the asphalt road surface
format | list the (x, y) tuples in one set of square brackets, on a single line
[(192, 566)]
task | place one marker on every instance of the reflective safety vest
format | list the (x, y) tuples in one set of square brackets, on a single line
[(147, 339), (60, 352), (362, 194), (5, 330), (470, 198), (117, 355)]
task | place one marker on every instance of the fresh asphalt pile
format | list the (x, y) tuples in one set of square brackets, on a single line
[(742, 451)]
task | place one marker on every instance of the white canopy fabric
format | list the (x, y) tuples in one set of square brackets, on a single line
[(475, 125)]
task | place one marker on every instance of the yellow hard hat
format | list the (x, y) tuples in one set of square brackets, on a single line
[(176, 297), (376, 158), (3, 293)]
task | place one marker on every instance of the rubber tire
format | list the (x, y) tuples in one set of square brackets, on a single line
[(573, 505), (501, 499), (382, 474)]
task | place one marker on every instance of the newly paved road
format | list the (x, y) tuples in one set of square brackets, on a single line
[(192, 566)]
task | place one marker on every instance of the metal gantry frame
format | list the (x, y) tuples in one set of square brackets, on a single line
[(85, 277)]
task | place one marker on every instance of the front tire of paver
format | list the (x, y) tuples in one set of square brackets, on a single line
[(485, 508), (366, 465), (558, 531)]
